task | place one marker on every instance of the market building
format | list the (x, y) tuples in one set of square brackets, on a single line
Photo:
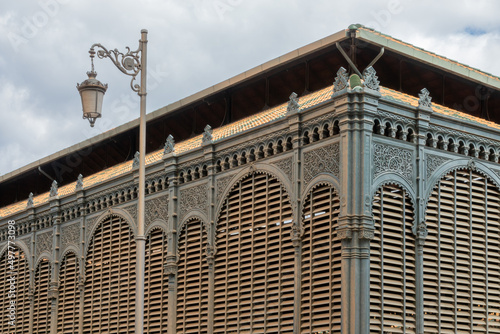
[(349, 186)]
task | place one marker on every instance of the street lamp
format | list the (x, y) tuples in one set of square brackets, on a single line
[(92, 92)]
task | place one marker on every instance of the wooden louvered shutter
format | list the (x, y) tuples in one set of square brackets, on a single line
[(461, 256), (41, 312), (20, 273), (321, 263), (69, 296), (392, 263), (155, 284), (192, 280), (254, 263), (109, 301)]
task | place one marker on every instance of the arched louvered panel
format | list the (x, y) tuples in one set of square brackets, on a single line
[(254, 266), (392, 263), (19, 275), (41, 311), (69, 296), (321, 263), (192, 284), (156, 284), (461, 256), (109, 300)]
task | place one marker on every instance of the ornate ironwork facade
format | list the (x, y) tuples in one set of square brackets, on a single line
[(360, 214)]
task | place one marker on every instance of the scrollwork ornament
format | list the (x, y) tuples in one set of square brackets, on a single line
[(128, 63), (424, 99), (366, 233), (30, 201), (207, 135), (135, 163), (296, 234), (371, 79), (422, 230), (293, 104), (79, 183), (170, 269), (344, 233), (471, 165), (169, 145), (53, 189), (341, 80)]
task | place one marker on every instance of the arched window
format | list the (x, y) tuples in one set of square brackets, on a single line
[(254, 263), (462, 255), (42, 312), (192, 275), (155, 284), (109, 301), (321, 263), (18, 273), (69, 296), (392, 263)]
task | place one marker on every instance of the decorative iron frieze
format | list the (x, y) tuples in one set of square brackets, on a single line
[(132, 211), (424, 99), (43, 243), (53, 189), (433, 163), (193, 198), (156, 208), (222, 184), (70, 235), (27, 241), (79, 183), (371, 79), (207, 135), (341, 80), (293, 104), (89, 224), (388, 159), (286, 166), (321, 160), (169, 145)]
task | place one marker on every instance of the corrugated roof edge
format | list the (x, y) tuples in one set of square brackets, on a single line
[(435, 60)]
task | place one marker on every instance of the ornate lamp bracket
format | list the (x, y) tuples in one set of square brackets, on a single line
[(128, 63)]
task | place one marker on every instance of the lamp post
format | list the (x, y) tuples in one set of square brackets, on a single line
[(92, 93)]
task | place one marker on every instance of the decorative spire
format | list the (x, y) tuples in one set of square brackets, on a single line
[(169, 145), (135, 163), (79, 183), (207, 135), (371, 79), (424, 99), (30, 201), (293, 104), (53, 189), (341, 80)]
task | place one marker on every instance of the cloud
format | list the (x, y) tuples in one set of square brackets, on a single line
[(193, 44)]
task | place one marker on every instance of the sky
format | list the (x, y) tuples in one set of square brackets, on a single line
[(193, 44)]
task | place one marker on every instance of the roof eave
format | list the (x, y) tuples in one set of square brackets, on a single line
[(429, 58)]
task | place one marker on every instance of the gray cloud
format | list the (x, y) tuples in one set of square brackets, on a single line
[(193, 44)]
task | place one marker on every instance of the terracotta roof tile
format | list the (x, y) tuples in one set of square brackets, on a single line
[(226, 131)]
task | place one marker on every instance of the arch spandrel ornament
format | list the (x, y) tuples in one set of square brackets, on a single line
[(390, 159), (70, 236), (322, 160), (193, 198)]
